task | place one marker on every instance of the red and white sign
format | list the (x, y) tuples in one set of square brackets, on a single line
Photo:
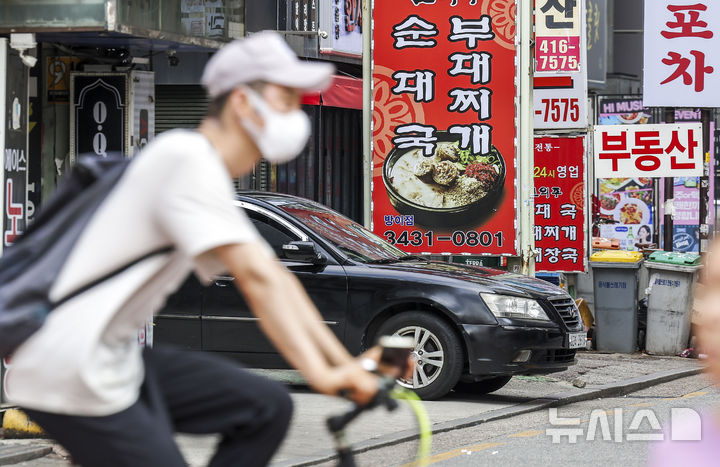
[(559, 204), (560, 80), (444, 125), (557, 32), (557, 54), (664, 150), (682, 53)]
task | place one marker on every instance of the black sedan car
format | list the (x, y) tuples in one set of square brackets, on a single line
[(470, 324)]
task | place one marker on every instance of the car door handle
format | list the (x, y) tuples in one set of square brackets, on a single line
[(222, 281)]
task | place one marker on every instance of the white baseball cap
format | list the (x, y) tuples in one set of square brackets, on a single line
[(263, 56)]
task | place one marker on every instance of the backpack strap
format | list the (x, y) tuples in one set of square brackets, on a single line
[(110, 275)]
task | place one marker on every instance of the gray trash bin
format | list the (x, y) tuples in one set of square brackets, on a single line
[(670, 298), (615, 292)]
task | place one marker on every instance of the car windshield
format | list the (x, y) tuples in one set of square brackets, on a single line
[(351, 238)]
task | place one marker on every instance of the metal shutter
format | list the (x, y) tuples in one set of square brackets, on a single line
[(179, 106)]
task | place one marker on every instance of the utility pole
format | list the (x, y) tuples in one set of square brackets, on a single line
[(705, 200), (367, 9), (526, 156), (669, 195)]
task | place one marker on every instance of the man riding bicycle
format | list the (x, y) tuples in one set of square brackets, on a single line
[(84, 378)]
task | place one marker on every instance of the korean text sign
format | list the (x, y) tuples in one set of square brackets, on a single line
[(663, 150), (559, 204), (557, 35), (444, 125), (682, 53), (560, 90)]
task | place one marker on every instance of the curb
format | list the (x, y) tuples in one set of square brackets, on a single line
[(16, 424), (21, 453), (554, 400)]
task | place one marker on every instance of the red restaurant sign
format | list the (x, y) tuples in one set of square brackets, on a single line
[(444, 125), (559, 202)]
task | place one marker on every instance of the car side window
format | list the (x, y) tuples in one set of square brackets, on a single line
[(272, 231)]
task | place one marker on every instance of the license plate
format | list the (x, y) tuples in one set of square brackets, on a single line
[(577, 340)]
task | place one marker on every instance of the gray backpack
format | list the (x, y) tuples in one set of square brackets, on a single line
[(29, 267)]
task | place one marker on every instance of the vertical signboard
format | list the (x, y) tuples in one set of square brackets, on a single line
[(98, 114), (682, 53), (557, 35), (15, 149), (559, 204), (303, 15), (3, 81), (142, 113), (444, 126), (34, 148), (686, 219), (560, 79), (596, 21), (13, 146)]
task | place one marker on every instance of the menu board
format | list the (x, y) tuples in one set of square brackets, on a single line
[(444, 93)]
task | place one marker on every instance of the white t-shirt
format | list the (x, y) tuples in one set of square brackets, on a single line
[(85, 360)]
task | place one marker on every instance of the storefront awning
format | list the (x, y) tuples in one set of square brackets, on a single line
[(345, 92)]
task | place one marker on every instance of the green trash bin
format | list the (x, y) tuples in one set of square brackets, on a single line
[(670, 296), (615, 287)]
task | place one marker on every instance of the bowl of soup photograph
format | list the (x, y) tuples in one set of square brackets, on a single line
[(451, 187)]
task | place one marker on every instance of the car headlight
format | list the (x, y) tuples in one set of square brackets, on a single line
[(505, 306)]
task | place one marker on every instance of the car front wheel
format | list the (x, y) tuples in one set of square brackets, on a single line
[(438, 354)]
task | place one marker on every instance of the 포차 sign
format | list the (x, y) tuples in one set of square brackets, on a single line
[(559, 201), (681, 53), (444, 125), (663, 150)]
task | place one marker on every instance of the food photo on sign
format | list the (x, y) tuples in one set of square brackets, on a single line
[(627, 200), (444, 174)]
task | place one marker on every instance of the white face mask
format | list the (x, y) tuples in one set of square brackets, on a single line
[(284, 134)]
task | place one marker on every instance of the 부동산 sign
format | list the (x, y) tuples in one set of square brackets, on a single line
[(681, 53), (662, 150), (444, 125)]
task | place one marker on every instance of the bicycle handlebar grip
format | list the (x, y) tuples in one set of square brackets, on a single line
[(338, 422)]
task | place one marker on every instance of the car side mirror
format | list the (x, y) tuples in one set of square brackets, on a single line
[(304, 252)]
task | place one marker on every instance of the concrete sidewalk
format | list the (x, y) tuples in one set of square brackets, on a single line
[(596, 375)]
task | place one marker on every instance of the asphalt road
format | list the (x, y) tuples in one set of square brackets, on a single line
[(519, 440), (524, 441)]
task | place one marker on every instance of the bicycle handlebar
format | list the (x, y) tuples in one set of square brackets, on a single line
[(337, 423)]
